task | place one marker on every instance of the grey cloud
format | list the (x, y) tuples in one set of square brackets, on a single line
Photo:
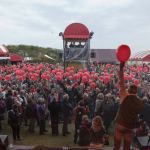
[(39, 22)]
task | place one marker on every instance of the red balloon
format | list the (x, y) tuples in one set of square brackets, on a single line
[(84, 79), (58, 78), (106, 79), (92, 85), (43, 76), (76, 77), (7, 77), (1, 77), (58, 73), (53, 71), (48, 77), (67, 74), (136, 82), (123, 53), (34, 78), (70, 77), (21, 78)]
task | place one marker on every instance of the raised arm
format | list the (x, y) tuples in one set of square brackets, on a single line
[(123, 92)]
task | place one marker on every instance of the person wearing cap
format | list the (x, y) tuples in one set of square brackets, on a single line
[(130, 106)]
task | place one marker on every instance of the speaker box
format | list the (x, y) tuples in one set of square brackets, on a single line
[(4, 140), (143, 142)]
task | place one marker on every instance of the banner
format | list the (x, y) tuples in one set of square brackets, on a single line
[(77, 53)]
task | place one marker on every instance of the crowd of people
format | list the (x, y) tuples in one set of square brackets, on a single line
[(33, 94)]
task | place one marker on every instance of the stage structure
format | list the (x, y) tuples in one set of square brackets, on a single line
[(76, 44)]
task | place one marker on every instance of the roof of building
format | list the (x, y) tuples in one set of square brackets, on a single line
[(141, 56), (104, 55), (76, 31), (3, 50), (16, 57)]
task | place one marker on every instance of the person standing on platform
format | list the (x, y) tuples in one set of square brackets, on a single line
[(126, 118)]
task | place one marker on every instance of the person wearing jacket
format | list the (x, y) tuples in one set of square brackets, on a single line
[(54, 109), (98, 103), (97, 133), (2, 110), (130, 106), (15, 122), (66, 111), (84, 132), (79, 111), (31, 114), (41, 115)]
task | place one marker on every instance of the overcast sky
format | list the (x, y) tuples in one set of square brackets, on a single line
[(38, 22)]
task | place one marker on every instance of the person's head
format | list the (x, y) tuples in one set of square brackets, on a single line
[(97, 90), (100, 96), (145, 99), (97, 123), (132, 89), (81, 103), (85, 96), (66, 97), (108, 97), (85, 119)]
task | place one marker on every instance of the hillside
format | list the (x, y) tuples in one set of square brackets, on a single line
[(36, 52)]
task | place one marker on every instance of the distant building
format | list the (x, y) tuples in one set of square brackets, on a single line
[(103, 55), (143, 56)]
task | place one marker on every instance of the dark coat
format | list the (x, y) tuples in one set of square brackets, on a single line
[(66, 108), (31, 111), (14, 117), (145, 113), (107, 112), (54, 108), (97, 137), (9, 101), (84, 135)]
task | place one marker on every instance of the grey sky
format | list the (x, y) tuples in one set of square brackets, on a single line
[(39, 22)]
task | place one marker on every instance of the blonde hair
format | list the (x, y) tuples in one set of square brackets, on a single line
[(97, 123), (85, 119)]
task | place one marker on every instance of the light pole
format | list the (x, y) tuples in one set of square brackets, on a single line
[(62, 35)]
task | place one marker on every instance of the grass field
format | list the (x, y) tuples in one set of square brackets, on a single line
[(47, 139)]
